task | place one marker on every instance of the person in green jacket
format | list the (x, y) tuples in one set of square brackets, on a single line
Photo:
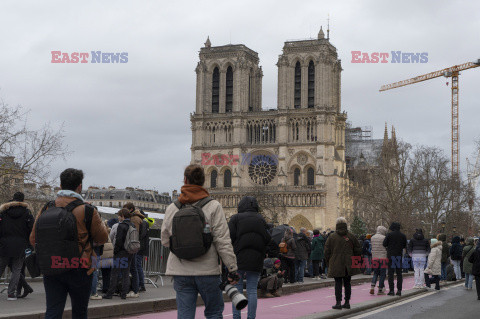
[(317, 254), (467, 266)]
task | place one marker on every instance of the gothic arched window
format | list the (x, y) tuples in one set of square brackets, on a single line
[(311, 84), (227, 178), (296, 177), (215, 91), (229, 91), (310, 176), (213, 179), (298, 86)]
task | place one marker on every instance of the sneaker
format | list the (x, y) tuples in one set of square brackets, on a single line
[(323, 277), (381, 292), (107, 296), (372, 290), (95, 297), (391, 293), (131, 294), (12, 297), (142, 289)]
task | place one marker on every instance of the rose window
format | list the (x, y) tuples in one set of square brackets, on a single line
[(262, 169)]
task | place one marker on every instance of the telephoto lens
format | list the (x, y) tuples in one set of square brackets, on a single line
[(238, 300)]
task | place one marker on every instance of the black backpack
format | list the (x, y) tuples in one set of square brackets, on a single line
[(189, 240), (56, 237)]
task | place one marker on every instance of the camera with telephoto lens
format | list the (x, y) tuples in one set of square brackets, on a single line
[(238, 300)]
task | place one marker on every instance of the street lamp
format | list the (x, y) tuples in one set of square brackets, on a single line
[(454, 229), (443, 226)]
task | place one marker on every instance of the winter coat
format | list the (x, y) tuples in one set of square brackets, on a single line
[(456, 249), (137, 219), (291, 246), (303, 247), (378, 251), (272, 249), (318, 244), (248, 231), (98, 231), (445, 247), (340, 247), (395, 241), (106, 260), (434, 266), (475, 260), (122, 230), (418, 246), (221, 249), (16, 223), (468, 250)]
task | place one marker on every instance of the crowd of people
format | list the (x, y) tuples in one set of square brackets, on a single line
[(209, 254)]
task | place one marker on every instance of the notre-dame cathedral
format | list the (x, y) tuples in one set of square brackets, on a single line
[(293, 155)]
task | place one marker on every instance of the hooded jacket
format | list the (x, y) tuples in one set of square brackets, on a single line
[(456, 249), (249, 234), (16, 223), (445, 247), (137, 219), (475, 260), (340, 247), (468, 250), (395, 241), (378, 251), (418, 245), (291, 244), (318, 244), (221, 249), (434, 266), (303, 247)]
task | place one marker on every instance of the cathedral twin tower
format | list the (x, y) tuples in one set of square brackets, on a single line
[(293, 157)]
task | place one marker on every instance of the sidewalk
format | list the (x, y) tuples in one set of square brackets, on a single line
[(161, 300)]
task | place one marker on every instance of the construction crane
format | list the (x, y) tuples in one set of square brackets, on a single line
[(452, 72)]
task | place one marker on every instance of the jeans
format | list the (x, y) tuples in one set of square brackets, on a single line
[(16, 266), (93, 291), (444, 271), (141, 276), (379, 272), (75, 283), (338, 288), (188, 288), (118, 273), (299, 269), (418, 267), (134, 272), (252, 278), (456, 269), (468, 280), (392, 269), (368, 269)]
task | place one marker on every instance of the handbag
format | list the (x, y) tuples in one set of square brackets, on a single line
[(31, 261)]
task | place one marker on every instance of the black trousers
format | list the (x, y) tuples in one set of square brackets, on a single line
[(288, 264), (434, 280), (392, 269), (316, 267), (477, 284), (346, 281), (123, 272)]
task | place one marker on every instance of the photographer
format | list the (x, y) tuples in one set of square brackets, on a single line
[(201, 274), (273, 282)]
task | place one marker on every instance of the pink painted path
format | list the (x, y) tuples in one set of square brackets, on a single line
[(292, 306)]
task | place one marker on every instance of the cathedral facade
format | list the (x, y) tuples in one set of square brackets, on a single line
[(293, 157)]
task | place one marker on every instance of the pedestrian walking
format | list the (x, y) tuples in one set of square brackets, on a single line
[(474, 259), (395, 242), (367, 254), (16, 223), (379, 260), (317, 254), (288, 255), (468, 250), (67, 215), (197, 269), (434, 265), (250, 237), (445, 255), (301, 254), (418, 249), (340, 247), (456, 256)]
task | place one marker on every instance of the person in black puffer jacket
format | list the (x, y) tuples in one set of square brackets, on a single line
[(16, 223), (302, 252), (395, 242), (456, 256), (418, 249), (475, 260), (250, 237)]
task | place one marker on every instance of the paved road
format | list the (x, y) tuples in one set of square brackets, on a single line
[(291, 306), (449, 303)]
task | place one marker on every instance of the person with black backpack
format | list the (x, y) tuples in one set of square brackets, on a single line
[(196, 231), (63, 236), (16, 222), (122, 258)]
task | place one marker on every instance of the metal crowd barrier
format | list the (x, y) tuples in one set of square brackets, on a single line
[(155, 264)]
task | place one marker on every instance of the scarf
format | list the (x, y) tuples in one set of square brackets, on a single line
[(69, 193), (192, 193)]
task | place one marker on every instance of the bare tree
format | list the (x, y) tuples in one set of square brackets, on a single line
[(26, 155)]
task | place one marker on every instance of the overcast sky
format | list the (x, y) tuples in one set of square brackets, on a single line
[(128, 124)]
